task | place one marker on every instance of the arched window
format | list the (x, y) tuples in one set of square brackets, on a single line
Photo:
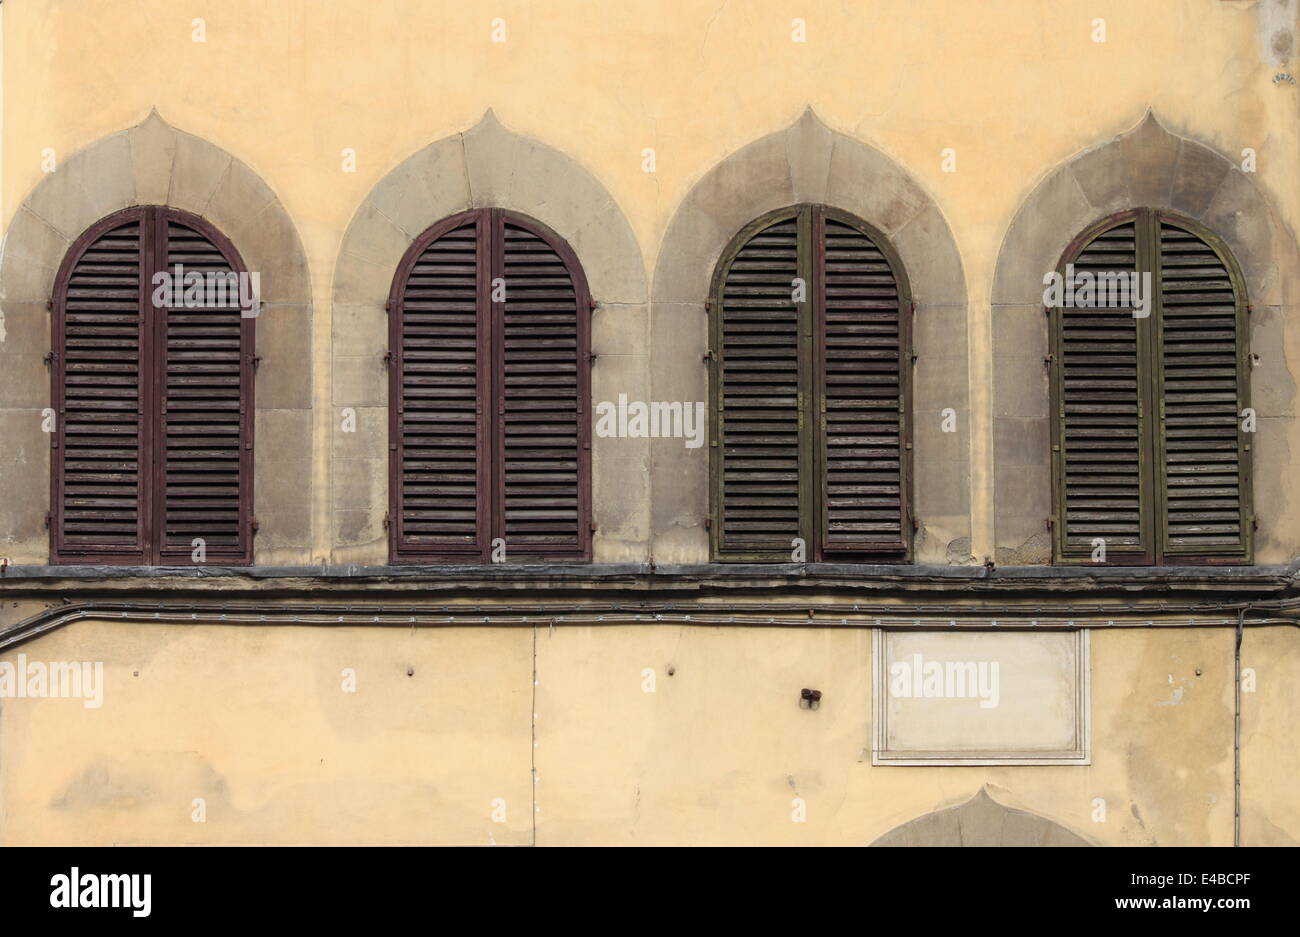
[(490, 376), (1150, 381), (810, 384), (153, 395)]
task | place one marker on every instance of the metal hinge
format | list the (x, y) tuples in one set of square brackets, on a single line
[(916, 524), (709, 356), (1051, 522), (254, 525), (51, 357), (255, 361), (708, 523), (49, 518), (1047, 362), (592, 356), (387, 521), (389, 357), (594, 305), (708, 305), (1254, 523), (388, 305), (592, 527)]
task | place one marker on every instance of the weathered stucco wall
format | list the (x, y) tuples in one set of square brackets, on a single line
[(322, 137), (440, 726), (325, 124)]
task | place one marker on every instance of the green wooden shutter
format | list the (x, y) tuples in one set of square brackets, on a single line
[(759, 354), (1203, 374), (1149, 451), (863, 320), (810, 384), (1102, 420)]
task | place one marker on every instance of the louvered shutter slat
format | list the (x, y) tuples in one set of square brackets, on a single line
[(1100, 409), (100, 481), (759, 368), (863, 361), (541, 407), (1199, 373), (437, 394)]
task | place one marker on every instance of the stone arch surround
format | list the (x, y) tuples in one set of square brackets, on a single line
[(981, 821), (810, 162), (153, 163), (1146, 166), (485, 166)]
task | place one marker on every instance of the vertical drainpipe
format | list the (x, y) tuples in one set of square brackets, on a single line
[(1236, 731)]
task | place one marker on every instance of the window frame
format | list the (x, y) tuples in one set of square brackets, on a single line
[(813, 508), (1153, 491)]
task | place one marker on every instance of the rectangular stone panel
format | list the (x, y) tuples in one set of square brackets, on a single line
[(980, 697)]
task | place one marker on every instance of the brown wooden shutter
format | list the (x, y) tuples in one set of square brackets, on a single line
[(489, 427), (1150, 453), (759, 392), (205, 363), (440, 496), (153, 447), (865, 367), (542, 433), (1102, 419), (1203, 376), (100, 459), (810, 392)]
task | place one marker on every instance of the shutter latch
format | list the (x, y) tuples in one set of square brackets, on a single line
[(255, 360), (389, 357), (708, 355), (51, 357)]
